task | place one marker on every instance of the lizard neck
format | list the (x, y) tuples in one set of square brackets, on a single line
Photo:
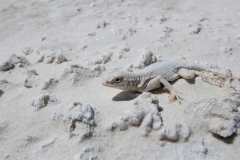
[(132, 80)]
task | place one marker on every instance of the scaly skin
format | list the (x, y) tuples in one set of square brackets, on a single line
[(156, 74)]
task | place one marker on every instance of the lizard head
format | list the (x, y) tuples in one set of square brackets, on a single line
[(115, 79)]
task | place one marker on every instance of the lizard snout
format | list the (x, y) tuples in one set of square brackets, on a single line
[(105, 82)]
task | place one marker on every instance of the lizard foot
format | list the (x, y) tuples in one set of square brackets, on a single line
[(215, 80), (219, 81), (173, 96)]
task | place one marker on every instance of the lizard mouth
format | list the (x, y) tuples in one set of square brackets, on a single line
[(110, 85), (107, 84), (104, 84)]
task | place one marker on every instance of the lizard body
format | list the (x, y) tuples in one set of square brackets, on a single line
[(152, 76)]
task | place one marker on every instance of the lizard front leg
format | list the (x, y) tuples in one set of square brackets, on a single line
[(155, 83)]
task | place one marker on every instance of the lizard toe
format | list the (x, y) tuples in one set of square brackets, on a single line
[(173, 97)]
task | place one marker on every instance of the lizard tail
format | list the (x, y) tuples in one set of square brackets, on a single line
[(199, 67)]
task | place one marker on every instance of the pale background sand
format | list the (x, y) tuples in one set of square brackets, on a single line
[(49, 26)]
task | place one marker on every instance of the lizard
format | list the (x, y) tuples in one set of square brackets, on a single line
[(152, 76)]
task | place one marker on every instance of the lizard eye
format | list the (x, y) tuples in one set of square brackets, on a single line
[(117, 80)]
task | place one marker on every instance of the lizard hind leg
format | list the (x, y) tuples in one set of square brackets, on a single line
[(186, 74)]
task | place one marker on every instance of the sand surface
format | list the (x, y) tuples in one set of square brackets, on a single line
[(53, 55)]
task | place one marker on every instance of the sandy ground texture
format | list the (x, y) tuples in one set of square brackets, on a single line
[(53, 55)]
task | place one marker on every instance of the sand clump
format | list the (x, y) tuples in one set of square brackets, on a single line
[(50, 84), (43, 100), (5, 85), (79, 120), (21, 61), (222, 128), (31, 80), (175, 132), (13, 61), (84, 114), (146, 59), (7, 65), (124, 33), (56, 57), (165, 34), (227, 120), (124, 51), (77, 73), (196, 28), (52, 56), (144, 114), (105, 58), (27, 50), (147, 117), (87, 153)]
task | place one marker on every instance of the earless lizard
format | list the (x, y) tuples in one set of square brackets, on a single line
[(152, 76)]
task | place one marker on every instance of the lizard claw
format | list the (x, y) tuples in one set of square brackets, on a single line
[(178, 92), (173, 95)]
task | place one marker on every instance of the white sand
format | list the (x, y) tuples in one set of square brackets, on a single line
[(84, 31)]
